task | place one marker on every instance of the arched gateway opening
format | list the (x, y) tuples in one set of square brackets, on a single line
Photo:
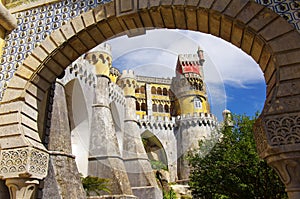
[(264, 35)]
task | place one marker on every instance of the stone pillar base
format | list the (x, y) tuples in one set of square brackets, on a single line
[(147, 192), (63, 180)]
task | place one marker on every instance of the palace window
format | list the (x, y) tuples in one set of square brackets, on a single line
[(197, 103)]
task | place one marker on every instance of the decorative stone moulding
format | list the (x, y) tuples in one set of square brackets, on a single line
[(275, 134), (24, 162), (277, 140), (7, 21)]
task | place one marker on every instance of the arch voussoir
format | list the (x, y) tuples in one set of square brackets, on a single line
[(286, 42), (214, 23), (226, 27)]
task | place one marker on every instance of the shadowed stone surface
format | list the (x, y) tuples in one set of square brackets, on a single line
[(105, 159), (63, 180)]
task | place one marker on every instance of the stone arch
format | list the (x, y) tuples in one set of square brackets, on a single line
[(79, 123), (152, 144), (244, 23)]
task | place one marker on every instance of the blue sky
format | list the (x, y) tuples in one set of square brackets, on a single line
[(234, 81)]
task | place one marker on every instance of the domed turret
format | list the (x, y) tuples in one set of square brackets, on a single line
[(227, 118), (101, 59), (127, 81)]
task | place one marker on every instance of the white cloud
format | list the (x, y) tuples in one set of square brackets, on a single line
[(163, 46)]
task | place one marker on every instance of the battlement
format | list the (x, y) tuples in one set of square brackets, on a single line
[(188, 57), (156, 80), (156, 122), (115, 71), (206, 119), (128, 74), (102, 48), (196, 119), (80, 69), (116, 94)]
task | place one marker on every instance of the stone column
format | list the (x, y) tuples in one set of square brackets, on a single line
[(105, 160), (278, 142), (140, 173), (63, 180)]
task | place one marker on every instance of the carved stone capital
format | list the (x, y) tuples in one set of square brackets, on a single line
[(26, 162), (20, 188), (287, 165)]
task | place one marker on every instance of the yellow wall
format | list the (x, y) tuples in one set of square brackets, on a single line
[(130, 85), (2, 42), (183, 105), (141, 113), (161, 114), (100, 67), (113, 78), (187, 106)]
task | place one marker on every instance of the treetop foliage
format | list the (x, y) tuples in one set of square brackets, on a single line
[(228, 166)]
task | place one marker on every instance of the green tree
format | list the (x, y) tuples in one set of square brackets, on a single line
[(95, 185), (228, 167)]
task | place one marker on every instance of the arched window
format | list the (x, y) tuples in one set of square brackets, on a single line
[(160, 108), (159, 91), (138, 107), (143, 107), (154, 107), (137, 89), (166, 108), (165, 92), (153, 90), (197, 103), (142, 89)]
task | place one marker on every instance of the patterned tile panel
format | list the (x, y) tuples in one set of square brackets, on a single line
[(34, 26), (288, 9)]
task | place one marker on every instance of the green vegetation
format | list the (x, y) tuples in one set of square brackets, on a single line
[(169, 194), (229, 167), (158, 165), (95, 185)]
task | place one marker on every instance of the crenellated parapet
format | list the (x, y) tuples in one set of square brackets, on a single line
[(116, 94), (128, 74), (189, 59), (197, 119), (156, 80), (81, 70), (114, 74), (101, 59), (127, 81), (156, 122)]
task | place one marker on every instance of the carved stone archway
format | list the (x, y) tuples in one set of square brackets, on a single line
[(264, 35)]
